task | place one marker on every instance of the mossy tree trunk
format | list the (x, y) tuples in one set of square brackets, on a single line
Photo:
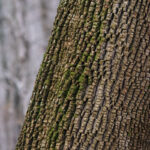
[(92, 90)]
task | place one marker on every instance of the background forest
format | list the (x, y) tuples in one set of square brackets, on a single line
[(25, 27)]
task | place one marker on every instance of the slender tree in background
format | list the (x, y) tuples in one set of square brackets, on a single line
[(92, 90), (20, 46)]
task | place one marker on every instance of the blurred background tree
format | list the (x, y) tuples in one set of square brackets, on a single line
[(25, 27)]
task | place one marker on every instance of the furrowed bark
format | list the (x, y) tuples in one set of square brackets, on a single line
[(92, 90)]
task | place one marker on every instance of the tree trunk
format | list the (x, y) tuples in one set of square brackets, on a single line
[(92, 90)]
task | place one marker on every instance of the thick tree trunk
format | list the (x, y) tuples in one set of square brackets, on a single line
[(92, 90)]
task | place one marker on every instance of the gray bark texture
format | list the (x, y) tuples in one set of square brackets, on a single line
[(92, 89), (25, 26)]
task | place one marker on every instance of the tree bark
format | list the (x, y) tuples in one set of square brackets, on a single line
[(92, 90)]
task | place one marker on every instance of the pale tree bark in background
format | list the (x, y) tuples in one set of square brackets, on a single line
[(92, 90), (24, 31)]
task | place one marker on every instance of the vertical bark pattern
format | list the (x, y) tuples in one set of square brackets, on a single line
[(92, 90)]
